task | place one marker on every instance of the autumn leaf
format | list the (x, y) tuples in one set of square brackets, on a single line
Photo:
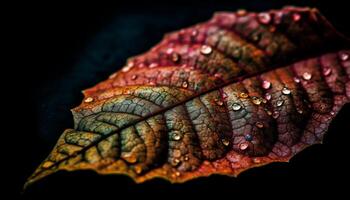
[(239, 91)]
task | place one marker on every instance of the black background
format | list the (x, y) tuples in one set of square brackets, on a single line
[(64, 49)]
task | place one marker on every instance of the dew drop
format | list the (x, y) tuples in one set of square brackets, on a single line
[(327, 71), (169, 51), (243, 95), (138, 169), (89, 100), (236, 107), (177, 174), (279, 103), (286, 91), (264, 18), (225, 141), (153, 65), (296, 17), (47, 164), (236, 53), (241, 12), (177, 153), (259, 124), (175, 162), (278, 17), (275, 114), (269, 112), (248, 137), (133, 77), (296, 79), (344, 56), (129, 157), (219, 102), (266, 85), (194, 33), (256, 160), (256, 100), (307, 76), (175, 57), (268, 96), (112, 75), (184, 84), (272, 29), (243, 146), (206, 50), (176, 136)]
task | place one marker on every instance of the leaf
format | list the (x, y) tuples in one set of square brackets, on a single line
[(239, 91)]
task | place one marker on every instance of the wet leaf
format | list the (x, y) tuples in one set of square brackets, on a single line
[(241, 90)]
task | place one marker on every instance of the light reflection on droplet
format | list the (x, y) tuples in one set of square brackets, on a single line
[(307, 76), (266, 85)]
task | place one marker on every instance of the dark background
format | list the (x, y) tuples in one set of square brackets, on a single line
[(64, 48)]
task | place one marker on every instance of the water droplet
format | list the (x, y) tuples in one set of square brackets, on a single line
[(236, 53), (255, 37), (175, 57), (236, 107), (129, 157), (89, 100), (241, 12), (138, 169), (272, 29), (307, 76), (133, 77), (206, 50), (176, 136), (243, 95), (296, 17), (225, 141), (256, 160), (256, 100), (184, 84), (268, 96), (266, 85), (269, 112), (327, 71), (259, 124), (243, 146), (153, 65), (113, 75), (296, 79), (248, 137), (219, 102), (275, 114), (194, 33), (47, 164), (278, 17), (175, 162), (126, 69), (286, 91), (169, 51), (279, 103), (177, 153), (344, 56), (177, 174), (264, 18)]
